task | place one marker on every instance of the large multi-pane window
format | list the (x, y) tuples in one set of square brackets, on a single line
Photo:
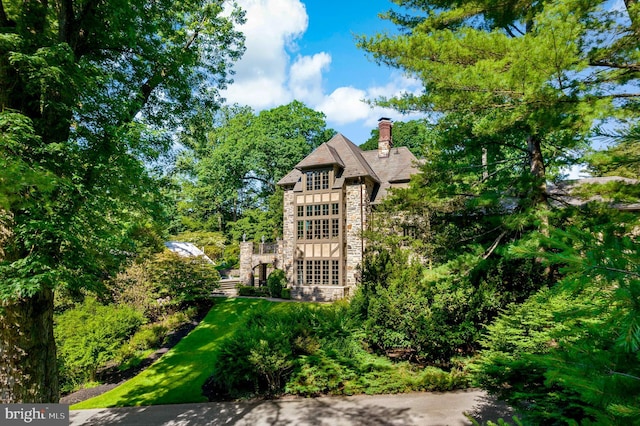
[(310, 228), (299, 272), (317, 180), (318, 272), (318, 222), (335, 228), (309, 271), (335, 272)]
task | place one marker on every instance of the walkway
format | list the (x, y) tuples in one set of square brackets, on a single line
[(419, 409)]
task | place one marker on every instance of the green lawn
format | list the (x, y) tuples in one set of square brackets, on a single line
[(178, 376)]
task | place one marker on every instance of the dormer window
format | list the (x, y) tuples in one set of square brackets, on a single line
[(317, 180)]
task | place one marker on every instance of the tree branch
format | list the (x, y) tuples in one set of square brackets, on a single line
[(266, 182), (494, 245), (608, 64), (617, 373), (620, 271)]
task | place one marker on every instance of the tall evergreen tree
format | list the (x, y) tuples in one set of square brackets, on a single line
[(518, 88), (88, 91), (543, 69)]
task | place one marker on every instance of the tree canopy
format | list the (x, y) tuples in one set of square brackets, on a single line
[(519, 89), (90, 92), (232, 168), (546, 69), (412, 134)]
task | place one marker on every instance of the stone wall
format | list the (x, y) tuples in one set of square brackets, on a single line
[(357, 196), (319, 293), (288, 237), (246, 262)]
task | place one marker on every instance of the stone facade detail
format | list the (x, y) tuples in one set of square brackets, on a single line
[(357, 212), (246, 263), (288, 236), (267, 256), (328, 201), (319, 293)]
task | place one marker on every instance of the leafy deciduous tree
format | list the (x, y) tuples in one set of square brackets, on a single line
[(412, 134), (233, 168), (88, 90)]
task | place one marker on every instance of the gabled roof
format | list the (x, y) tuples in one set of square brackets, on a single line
[(392, 171), (324, 155), (351, 155), (186, 250), (290, 178)]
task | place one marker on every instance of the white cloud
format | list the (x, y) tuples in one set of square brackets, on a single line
[(344, 105), (270, 74), (305, 80), (259, 92), (261, 75), (348, 104)]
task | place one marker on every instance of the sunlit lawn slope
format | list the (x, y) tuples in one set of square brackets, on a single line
[(178, 376)]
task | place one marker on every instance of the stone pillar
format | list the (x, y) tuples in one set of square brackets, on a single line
[(356, 211), (289, 236), (246, 261)]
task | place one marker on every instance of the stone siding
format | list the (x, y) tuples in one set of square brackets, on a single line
[(246, 262), (319, 293), (289, 236), (357, 196)]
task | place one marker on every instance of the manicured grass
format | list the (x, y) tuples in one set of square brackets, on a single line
[(178, 376)]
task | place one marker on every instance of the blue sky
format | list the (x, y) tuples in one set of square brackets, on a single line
[(305, 50)]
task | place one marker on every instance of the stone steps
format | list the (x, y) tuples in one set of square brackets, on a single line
[(228, 287)]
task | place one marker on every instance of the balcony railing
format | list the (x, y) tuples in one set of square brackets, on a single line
[(265, 248)]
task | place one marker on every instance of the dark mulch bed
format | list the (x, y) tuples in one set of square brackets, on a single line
[(112, 377)]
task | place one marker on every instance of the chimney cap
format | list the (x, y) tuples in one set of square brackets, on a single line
[(384, 119)]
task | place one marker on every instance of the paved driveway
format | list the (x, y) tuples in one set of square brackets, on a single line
[(419, 409)]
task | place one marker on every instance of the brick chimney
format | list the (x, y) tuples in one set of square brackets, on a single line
[(385, 142)]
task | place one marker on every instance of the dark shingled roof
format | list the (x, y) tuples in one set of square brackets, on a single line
[(393, 171), (354, 163), (324, 155), (341, 151), (290, 178)]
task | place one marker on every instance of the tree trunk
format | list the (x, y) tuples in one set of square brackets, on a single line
[(537, 169), (485, 164), (539, 190), (28, 367)]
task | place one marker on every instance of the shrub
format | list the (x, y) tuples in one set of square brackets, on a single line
[(252, 363), (160, 285), (152, 336), (276, 282), (89, 335), (286, 293), (308, 350), (433, 314), (248, 290)]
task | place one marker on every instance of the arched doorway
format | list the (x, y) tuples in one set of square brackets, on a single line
[(260, 273)]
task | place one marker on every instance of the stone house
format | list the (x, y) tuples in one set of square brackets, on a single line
[(328, 200)]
